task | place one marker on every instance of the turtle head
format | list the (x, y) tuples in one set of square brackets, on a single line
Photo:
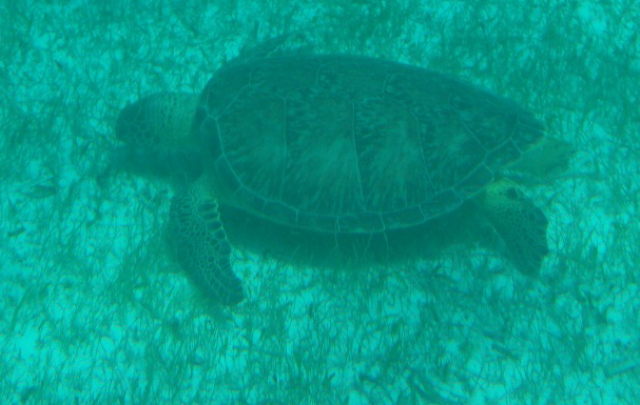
[(162, 119), (156, 132), (152, 161)]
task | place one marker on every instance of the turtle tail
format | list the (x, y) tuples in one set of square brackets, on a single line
[(202, 248)]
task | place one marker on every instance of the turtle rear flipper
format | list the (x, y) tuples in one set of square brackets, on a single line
[(543, 163), (521, 225), (202, 248)]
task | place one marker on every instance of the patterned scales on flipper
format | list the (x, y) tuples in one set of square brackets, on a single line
[(521, 225), (202, 247)]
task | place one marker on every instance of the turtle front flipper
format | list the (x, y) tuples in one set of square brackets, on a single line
[(202, 248), (521, 225)]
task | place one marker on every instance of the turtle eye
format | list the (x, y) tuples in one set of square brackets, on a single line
[(512, 193)]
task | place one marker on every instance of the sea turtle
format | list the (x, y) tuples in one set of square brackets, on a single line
[(327, 159)]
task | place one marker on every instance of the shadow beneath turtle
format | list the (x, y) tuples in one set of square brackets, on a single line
[(300, 247)]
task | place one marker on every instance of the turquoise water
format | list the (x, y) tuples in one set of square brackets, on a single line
[(94, 309)]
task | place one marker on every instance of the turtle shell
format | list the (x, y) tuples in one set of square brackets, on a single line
[(347, 144)]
